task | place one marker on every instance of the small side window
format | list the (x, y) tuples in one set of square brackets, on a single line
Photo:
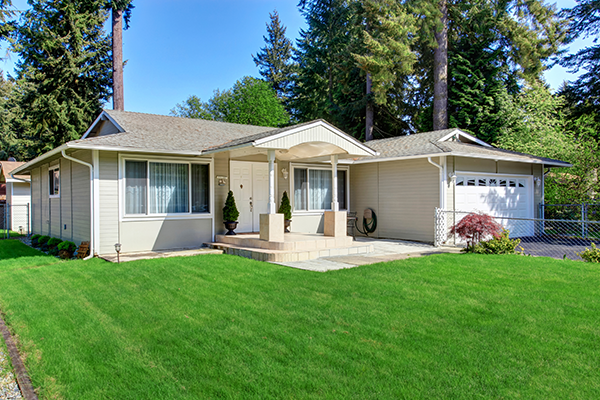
[(54, 181)]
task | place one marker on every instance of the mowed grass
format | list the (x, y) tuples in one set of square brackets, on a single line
[(444, 326)]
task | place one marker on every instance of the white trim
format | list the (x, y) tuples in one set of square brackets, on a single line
[(332, 128), (123, 217), (465, 135), (108, 117), (324, 167)]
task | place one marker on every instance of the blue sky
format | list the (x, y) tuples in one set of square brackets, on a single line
[(182, 47)]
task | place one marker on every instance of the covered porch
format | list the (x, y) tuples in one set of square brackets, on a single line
[(283, 158)]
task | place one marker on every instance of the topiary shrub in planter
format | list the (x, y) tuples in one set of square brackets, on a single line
[(285, 208), (53, 246), (43, 242), (66, 250), (475, 227), (498, 245), (230, 214), (591, 255), (34, 240)]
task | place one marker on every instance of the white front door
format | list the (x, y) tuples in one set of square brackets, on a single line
[(250, 185)]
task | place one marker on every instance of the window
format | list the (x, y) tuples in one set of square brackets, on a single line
[(166, 188), (54, 181), (313, 189)]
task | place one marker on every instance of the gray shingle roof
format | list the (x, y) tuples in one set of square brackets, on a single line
[(160, 132), (427, 143)]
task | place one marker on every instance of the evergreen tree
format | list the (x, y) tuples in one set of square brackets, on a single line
[(583, 94), (63, 73), (275, 61)]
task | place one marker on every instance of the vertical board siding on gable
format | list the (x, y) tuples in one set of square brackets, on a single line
[(36, 201), (81, 197), (66, 200), (409, 194), (221, 165), (109, 202)]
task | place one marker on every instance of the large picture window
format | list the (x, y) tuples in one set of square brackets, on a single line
[(54, 181), (166, 188), (313, 189)]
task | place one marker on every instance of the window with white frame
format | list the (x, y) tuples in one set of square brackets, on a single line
[(54, 181), (166, 188), (313, 189)]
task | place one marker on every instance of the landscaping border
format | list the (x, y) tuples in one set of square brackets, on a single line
[(21, 373)]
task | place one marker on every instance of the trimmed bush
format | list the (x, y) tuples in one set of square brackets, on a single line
[(34, 240), (285, 207), (66, 249), (53, 246), (591, 255), (498, 245), (475, 227), (230, 211)]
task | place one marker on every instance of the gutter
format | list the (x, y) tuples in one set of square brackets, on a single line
[(92, 222)]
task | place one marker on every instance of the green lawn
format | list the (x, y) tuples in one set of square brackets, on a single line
[(444, 326)]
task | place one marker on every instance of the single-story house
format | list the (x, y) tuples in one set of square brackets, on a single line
[(152, 182), (15, 192)]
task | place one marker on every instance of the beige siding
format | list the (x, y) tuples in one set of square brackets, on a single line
[(164, 234), (36, 201), (221, 166), (475, 165), (66, 200), (45, 200), (403, 194), (80, 175), (109, 202)]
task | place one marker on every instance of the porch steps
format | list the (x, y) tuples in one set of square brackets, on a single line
[(289, 255)]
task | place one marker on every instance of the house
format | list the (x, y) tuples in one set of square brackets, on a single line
[(15, 193), (152, 182)]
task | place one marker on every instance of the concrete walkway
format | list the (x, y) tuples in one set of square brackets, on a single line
[(384, 250)]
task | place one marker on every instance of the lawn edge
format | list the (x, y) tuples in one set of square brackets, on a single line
[(23, 379)]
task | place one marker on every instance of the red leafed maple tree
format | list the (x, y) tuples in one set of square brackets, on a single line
[(474, 227)]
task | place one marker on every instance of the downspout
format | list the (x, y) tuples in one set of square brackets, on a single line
[(442, 205), (91, 200)]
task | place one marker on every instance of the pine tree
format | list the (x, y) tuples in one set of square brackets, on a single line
[(275, 61), (64, 71)]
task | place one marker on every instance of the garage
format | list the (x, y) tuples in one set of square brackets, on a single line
[(502, 196)]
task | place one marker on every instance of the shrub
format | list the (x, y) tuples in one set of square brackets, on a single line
[(498, 245), (591, 255), (230, 211), (475, 227), (34, 240), (285, 207)]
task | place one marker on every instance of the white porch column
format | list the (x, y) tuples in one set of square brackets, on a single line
[(335, 205), (271, 158)]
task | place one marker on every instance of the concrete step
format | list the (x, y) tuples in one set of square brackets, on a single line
[(288, 256)]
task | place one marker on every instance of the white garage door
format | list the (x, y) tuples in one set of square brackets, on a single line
[(499, 196)]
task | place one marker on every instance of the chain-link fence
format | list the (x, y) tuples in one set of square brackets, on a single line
[(557, 238), (14, 220)]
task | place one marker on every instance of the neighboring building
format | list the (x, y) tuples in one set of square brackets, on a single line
[(16, 193), (154, 182)]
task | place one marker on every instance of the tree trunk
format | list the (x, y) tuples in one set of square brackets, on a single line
[(369, 122), (440, 72), (117, 59)]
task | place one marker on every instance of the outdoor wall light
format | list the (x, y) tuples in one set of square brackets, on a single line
[(118, 250), (285, 173)]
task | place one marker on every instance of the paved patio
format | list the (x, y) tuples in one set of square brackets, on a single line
[(383, 250)]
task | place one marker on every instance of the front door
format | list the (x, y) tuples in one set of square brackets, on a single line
[(250, 186)]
